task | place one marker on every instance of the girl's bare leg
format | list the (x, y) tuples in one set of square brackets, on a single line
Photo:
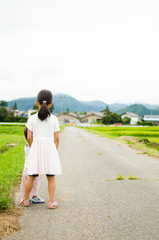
[(51, 188), (28, 187)]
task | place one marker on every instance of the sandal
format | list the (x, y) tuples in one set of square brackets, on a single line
[(53, 205), (24, 203)]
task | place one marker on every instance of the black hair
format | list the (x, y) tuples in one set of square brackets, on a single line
[(25, 132), (44, 98)]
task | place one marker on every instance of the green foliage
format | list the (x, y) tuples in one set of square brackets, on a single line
[(107, 116), (149, 143), (126, 120), (115, 118), (110, 118), (3, 147), (35, 107), (67, 110), (52, 108), (3, 113), (11, 162), (133, 178), (145, 123), (120, 177), (8, 116), (14, 106), (62, 127), (15, 119), (3, 103), (33, 112)]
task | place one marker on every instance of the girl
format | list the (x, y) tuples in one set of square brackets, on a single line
[(43, 139)]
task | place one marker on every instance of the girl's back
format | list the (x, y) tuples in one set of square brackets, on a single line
[(43, 129)]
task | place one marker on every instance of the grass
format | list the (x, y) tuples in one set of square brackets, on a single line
[(120, 177), (133, 136), (62, 127), (11, 162), (131, 177)]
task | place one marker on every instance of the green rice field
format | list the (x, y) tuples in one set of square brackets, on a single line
[(151, 133)]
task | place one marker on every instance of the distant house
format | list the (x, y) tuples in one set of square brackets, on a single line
[(67, 117), (18, 113), (9, 109), (134, 117), (31, 111), (151, 118), (25, 114), (92, 117)]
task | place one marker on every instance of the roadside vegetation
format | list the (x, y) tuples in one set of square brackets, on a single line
[(11, 161), (145, 139)]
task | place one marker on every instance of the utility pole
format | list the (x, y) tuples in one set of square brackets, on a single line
[(62, 103)]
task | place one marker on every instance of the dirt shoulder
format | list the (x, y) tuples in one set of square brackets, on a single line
[(142, 146), (9, 222)]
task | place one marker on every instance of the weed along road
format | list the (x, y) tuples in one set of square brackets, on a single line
[(91, 206)]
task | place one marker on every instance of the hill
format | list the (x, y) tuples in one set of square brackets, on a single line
[(23, 103), (117, 106), (72, 104), (150, 106), (138, 109), (67, 101)]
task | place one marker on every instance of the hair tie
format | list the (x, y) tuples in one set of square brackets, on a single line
[(44, 102)]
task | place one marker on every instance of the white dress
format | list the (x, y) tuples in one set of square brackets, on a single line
[(43, 157)]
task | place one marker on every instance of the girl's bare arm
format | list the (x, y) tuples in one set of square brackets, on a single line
[(29, 137), (56, 139)]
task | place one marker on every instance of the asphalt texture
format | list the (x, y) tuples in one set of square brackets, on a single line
[(90, 207)]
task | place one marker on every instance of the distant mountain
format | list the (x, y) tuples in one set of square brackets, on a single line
[(150, 106), (117, 106), (97, 104), (23, 103), (138, 109), (69, 103), (61, 100)]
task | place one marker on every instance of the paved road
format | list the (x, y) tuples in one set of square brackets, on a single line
[(90, 207)]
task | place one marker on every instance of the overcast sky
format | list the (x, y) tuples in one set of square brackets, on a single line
[(89, 49)]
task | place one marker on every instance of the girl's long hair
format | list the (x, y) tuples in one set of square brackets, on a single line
[(44, 98)]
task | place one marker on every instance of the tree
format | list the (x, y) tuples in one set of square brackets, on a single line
[(3, 113), (35, 107), (126, 120), (115, 118), (107, 116), (14, 106), (3, 103), (52, 108), (67, 110)]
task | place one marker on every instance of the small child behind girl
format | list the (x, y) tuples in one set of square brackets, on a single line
[(34, 192), (43, 139)]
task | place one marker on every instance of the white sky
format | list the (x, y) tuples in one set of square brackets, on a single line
[(89, 49)]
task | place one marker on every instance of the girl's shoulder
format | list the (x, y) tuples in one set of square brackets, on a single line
[(53, 118), (34, 116)]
